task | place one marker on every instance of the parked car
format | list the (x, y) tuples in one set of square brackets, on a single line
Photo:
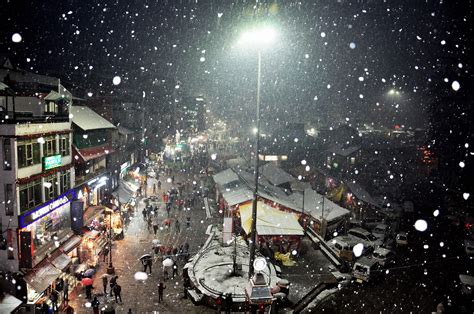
[(343, 246), (365, 237), (380, 231), (370, 223), (469, 247), (383, 256), (401, 239), (366, 270)]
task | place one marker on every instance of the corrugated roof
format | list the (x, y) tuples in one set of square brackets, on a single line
[(313, 204), (343, 151), (361, 193), (225, 177), (276, 175), (87, 119)]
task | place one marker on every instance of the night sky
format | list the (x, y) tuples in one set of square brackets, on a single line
[(334, 61)]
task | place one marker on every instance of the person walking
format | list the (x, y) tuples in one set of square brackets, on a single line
[(89, 292), (144, 212), (228, 303), (54, 300), (154, 188), (117, 293), (175, 270), (155, 224), (149, 222), (66, 290), (161, 288), (177, 226), (147, 262), (113, 282), (95, 305), (105, 281)]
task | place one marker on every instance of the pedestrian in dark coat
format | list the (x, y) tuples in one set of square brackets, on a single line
[(161, 288), (89, 291), (228, 303), (95, 305), (66, 290), (147, 262), (113, 282), (54, 300), (177, 226), (105, 281), (175, 270), (117, 293)]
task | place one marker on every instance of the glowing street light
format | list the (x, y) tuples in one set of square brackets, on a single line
[(258, 38)]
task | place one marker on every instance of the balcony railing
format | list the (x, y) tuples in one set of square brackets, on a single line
[(28, 117)]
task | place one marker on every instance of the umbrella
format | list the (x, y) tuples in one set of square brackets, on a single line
[(155, 241), (168, 262), (87, 281), (105, 275), (89, 273), (167, 222), (146, 256)]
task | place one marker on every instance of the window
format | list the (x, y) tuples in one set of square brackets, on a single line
[(64, 145), (8, 199), (49, 147), (50, 187), (65, 181), (7, 154), (28, 153), (30, 195)]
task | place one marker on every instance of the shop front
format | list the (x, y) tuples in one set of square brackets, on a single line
[(44, 229), (93, 191)]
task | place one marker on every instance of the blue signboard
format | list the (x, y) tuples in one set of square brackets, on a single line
[(46, 208)]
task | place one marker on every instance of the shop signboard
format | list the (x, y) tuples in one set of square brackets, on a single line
[(124, 166), (41, 211), (51, 162)]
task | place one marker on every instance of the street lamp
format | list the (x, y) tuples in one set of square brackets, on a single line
[(110, 268), (258, 38)]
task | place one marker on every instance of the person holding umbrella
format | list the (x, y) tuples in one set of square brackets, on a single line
[(146, 262), (87, 282), (113, 282)]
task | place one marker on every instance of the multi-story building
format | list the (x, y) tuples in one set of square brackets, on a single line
[(36, 180)]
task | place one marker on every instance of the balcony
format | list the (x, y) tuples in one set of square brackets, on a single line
[(24, 117)]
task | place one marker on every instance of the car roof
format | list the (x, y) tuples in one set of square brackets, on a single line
[(366, 261), (382, 226), (359, 230), (402, 233), (382, 251)]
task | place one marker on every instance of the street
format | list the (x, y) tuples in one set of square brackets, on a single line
[(142, 296)]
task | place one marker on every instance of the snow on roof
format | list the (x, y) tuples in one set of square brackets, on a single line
[(313, 204), (225, 177), (123, 130), (87, 119), (270, 220), (53, 95), (342, 151), (238, 196), (3, 86), (275, 174), (361, 193)]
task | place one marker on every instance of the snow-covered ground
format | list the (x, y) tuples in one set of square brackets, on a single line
[(211, 269)]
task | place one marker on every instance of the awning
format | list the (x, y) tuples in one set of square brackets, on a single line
[(8, 304), (90, 153), (270, 220), (71, 244), (61, 261), (40, 278)]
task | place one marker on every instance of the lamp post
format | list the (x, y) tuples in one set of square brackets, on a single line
[(110, 268), (258, 38)]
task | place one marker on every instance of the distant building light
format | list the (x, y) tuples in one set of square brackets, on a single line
[(272, 157), (199, 99)]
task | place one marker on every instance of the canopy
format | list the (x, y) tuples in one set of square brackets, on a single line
[(8, 304), (40, 279), (61, 261), (270, 220)]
